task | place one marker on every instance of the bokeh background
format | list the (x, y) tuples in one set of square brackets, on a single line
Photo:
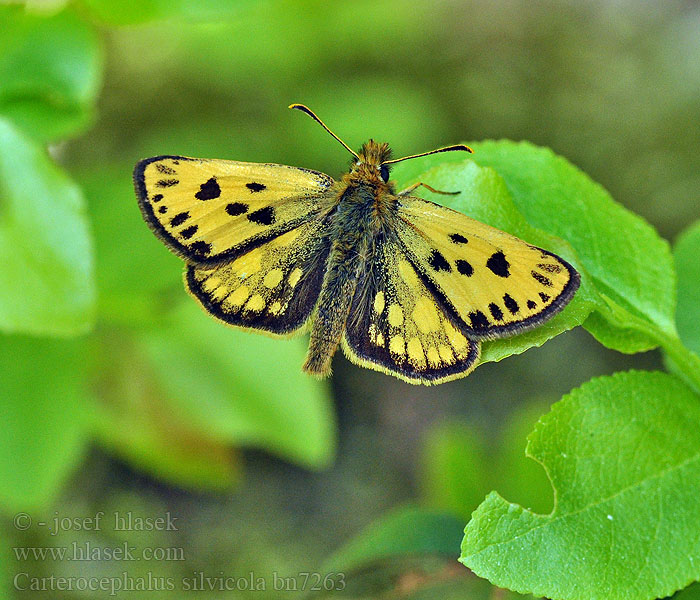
[(128, 399)]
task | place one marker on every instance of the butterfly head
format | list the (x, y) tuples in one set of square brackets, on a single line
[(370, 161)]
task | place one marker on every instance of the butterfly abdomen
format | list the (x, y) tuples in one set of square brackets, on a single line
[(351, 231)]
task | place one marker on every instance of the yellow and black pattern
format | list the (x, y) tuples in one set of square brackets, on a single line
[(405, 286), (396, 324), (494, 283), (209, 211), (273, 287)]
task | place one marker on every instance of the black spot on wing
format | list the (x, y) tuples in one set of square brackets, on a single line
[(164, 169), (208, 190), (236, 208), (545, 281), (478, 320), (511, 304), (438, 262), (263, 216), (254, 186), (496, 311), (200, 248), (188, 232), (167, 182), (163, 209), (531, 304), (157, 198), (458, 238), (464, 267), (179, 218), (549, 267), (498, 264), (544, 297)]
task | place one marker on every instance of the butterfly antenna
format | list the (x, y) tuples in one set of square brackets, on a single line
[(446, 149), (309, 112)]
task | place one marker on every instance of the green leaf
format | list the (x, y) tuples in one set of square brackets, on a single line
[(629, 265), (242, 388), (692, 592), (623, 339), (453, 477), (46, 281), (687, 255), (117, 12), (133, 420), (50, 71), (623, 254), (623, 455), (45, 428), (485, 197), (406, 531)]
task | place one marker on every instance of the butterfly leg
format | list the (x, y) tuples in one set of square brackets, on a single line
[(409, 189)]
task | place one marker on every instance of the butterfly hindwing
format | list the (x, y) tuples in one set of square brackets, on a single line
[(210, 211), (397, 326), (273, 288), (495, 283)]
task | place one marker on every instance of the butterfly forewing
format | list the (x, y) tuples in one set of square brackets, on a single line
[(273, 287), (210, 211), (396, 324), (494, 283)]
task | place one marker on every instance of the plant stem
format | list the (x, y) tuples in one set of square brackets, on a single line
[(687, 362)]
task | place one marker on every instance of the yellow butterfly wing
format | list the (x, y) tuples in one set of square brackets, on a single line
[(273, 288), (493, 282), (396, 325), (209, 211)]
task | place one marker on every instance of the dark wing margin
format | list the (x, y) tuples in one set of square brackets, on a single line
[(474, 328), (277, 299)]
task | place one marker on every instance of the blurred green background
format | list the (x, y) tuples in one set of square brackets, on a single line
[(119, 395)]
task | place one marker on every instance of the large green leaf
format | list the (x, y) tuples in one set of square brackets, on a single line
[(50, 71), (622, 253), (45, 426), (46, 279), (692, 592), (242, 388), (623, 455), (687, 255)]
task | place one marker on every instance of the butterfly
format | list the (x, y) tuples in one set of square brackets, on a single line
[(406, 286)]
